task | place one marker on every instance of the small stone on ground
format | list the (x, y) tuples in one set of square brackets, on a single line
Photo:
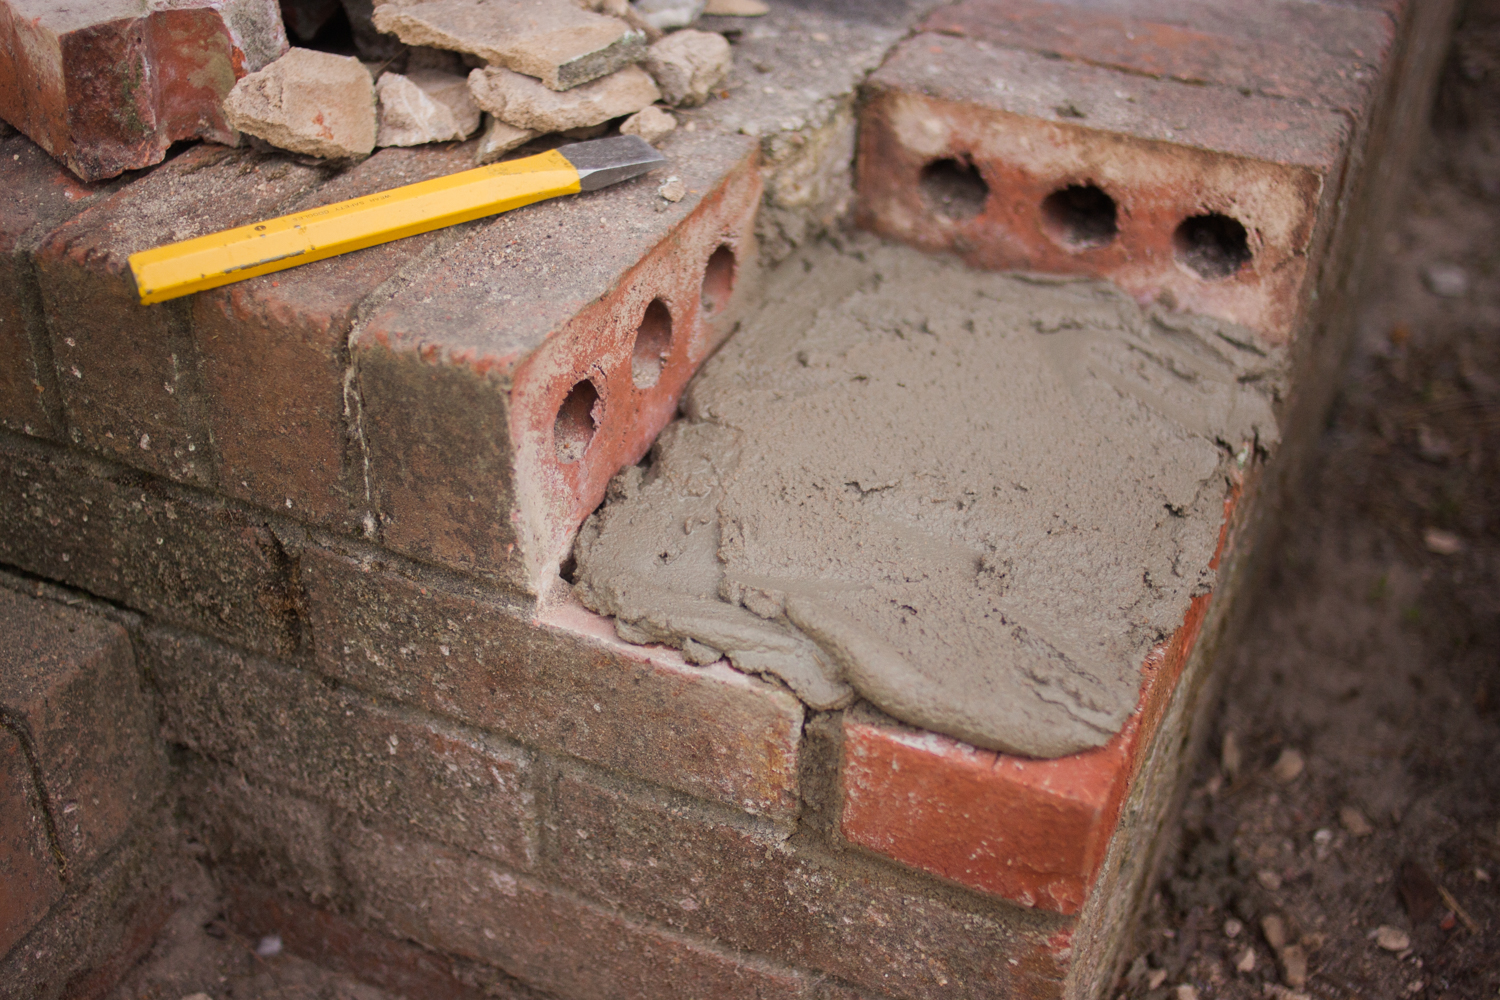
[(687, 65), (523, 102), (652, 124), (424, 106)]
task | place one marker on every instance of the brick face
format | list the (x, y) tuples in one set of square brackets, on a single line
[(69, 680), (568, 687), (275, 357), (1163, 151), (1326, 55), (37, 196), (29, 883), (463, 374), (329, 743), (109, 86), (129, 374), (190, 561), (547, 939), (749, 888)]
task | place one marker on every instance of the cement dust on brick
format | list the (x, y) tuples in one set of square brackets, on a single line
[(1376, 656), (976, 500)]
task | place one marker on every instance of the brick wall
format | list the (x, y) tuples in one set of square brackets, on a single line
[(312, 525)]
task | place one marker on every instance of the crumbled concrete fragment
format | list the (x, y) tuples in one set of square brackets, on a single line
[(652, 124), (687, 65), (424, 106), (525, 103), (672, 189), (555, 41), (308, 102), (499, 139), (666, 15), (737, 8)]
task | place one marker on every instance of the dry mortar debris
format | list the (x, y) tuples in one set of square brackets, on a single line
[(976, 500)]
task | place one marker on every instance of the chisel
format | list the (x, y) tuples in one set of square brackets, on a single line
[(220, 258)]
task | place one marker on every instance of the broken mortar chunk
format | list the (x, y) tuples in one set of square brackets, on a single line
[(555, 41), (520, 101), (687, 65), (652, 124), (736, 8), (308, 102), (499, 139), (424, 106), (665, 15)]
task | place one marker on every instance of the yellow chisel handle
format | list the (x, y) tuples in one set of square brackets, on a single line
[(276, 244)]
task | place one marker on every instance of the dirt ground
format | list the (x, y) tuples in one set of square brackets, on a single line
[(1376, 664), (1344, 840)]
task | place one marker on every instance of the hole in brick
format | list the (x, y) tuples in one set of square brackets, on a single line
[(1080, 216), (718, 280), (1212, 246), (577, 420), (653, 341), (953, 188)]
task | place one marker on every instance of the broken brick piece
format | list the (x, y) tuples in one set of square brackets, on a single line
[(107, 86)]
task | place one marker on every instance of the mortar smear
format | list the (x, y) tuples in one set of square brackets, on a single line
[(977, 500)]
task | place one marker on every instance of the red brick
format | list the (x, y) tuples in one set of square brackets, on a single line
[(1163, 150), (463, 374), (107, 86), (335, 943), (1329, 56), (747, 886), (1031, 831), (275, 357), (38, 195), (548, 939), (184, 559), (69, 684), (329, 743), (29, 882), (562, 684), (129, 375), (105, 924)]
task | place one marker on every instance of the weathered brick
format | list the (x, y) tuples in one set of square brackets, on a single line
[(254, 832), (327, 742), (563, 684), (1329, 56), (548, 939), (337, 944), (108, 920), (70, 687), (275, 357), (107, 86), (1163, 151), (743, 884), (37, 196), (29, 882), (129, 374), (518, 342), (188, 560)]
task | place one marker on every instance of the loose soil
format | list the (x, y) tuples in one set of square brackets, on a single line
[(1377, 658)]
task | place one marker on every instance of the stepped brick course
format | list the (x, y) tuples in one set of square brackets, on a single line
[(340, 498)]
